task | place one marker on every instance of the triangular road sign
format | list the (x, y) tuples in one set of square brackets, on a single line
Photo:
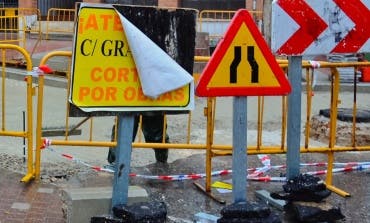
[(242, 64)]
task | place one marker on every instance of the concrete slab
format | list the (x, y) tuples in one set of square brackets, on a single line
[(84, 203), (265, 195)]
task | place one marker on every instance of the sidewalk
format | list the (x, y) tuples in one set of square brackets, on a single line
[(31, 203)]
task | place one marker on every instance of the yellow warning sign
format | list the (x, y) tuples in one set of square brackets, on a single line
[(104, 73), (243, 49), (242, 64)]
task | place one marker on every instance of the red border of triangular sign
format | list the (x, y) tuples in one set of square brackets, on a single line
[(241, 16)]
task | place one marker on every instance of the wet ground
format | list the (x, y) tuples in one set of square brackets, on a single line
[(184, 200)]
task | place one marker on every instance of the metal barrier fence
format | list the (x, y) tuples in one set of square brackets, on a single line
[(28, 21), (211, 130), (25, 22), (90, 140), (19, 100), (32, 18), (215, 22), (60, 21), (12, 31), (213, 148), (333, 102)]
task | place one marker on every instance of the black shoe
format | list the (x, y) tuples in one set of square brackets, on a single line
[(161, 155), (111, 155)]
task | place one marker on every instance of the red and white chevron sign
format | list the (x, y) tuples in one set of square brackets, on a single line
[(313, 27)]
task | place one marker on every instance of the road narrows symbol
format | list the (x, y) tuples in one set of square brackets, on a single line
[(236, 61), (253, 63)]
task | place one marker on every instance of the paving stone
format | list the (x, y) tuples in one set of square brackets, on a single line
[(45, 190), (21, 206)]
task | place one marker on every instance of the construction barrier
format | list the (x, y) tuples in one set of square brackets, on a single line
[(9, 100), (212, 131), (212, 147), (215, 22), (32, 18), (60, 22), (20, 24), (13, 32), (334, 103)]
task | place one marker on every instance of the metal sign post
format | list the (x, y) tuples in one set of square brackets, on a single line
[(294, 117), (123, 158), (239, 144)]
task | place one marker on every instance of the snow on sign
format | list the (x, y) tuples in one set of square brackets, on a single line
[(313, 27), (242, 64)]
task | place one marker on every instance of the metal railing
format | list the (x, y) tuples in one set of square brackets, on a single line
[(215, 22), (8, 100), (212, 115), (60, 22)]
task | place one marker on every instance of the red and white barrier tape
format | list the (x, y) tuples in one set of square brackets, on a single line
[(41, 70), (314, 64), (254, 175)]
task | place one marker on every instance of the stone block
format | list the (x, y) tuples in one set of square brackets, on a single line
[(84, 203), (265, 195)]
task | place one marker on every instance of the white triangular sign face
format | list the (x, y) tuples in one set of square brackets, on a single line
[(158, 72)]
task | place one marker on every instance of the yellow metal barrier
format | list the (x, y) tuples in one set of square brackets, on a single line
[(215, 22), (27, 134), (90, 142), (26, 23), (32, 18), (214, 148), (60, 21), (13, 30)]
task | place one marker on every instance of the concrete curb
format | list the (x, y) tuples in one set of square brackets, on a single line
[(84, 203)]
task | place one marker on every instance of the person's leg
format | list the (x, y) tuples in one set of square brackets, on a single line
[(152, 127), (112, 152)]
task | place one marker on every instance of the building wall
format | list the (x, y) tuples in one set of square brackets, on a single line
[(254, 5), (168, 3), (93, 1), (250, 4), (27, 4)]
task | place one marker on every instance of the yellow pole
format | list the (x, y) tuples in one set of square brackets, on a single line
[(284, 120), (209, 141), (3, 90), (189, 128), (40, 103), (259, 120), (309, 102), (30, 169), (354, 110), (333, 122)]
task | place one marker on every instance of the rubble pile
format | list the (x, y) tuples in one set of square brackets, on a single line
[(248, 212), (150, 212), (320, 127), (305, 196), (141, 212)]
